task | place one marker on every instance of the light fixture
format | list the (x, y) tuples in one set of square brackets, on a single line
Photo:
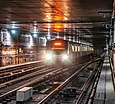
[(65, 57), (13, 31), (35, 35), (48, 37), (34, 29)]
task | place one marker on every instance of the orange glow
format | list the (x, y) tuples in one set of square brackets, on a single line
[(58, 48), (54, 8), (57, 27), (57, 44), (57, 16), (56, 11)]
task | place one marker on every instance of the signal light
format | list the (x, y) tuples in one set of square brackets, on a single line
[(57, 44)]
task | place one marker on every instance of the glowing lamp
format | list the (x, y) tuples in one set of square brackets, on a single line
[(35, 35), (57, 44), (65, 57), (13, 31)]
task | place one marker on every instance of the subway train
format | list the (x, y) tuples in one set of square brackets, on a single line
[(64, 51)]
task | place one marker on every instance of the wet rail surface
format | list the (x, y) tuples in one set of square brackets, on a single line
[(44, 80), (10, 87), (45, 75), (29, 79), (75, 89)]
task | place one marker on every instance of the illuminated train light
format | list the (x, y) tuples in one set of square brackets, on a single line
[(58, 52), (57, 44), (65, 57), (48, 56)]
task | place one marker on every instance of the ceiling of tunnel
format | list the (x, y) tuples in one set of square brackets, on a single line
[(90, 17)]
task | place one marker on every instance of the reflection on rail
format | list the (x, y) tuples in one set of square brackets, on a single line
[(63, 91)]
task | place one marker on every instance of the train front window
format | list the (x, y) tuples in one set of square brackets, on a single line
[(58, 51), (58, 46)]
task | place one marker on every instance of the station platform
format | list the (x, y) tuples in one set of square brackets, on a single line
[(105, 93), (26, 63)]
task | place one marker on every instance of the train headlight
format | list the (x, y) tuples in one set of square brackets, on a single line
[(48, 56), (65, 57)]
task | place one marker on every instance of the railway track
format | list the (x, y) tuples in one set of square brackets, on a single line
[(33, 79), (76, 89), (50, 78), (10, 73), (10, 87)]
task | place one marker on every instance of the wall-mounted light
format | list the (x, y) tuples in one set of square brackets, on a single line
[(35, 35), (48, 37), (13, 27), (13, 31), (34, 29)]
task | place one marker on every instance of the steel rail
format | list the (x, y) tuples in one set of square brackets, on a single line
[(17, 72), (63, 84), (38, 79), (21, 78), (5, 68), (94, 75)]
